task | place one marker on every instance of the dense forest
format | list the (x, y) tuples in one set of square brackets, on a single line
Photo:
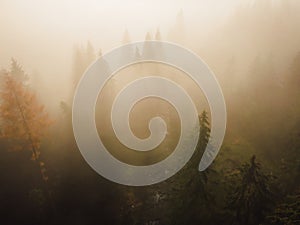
[(255, 178)]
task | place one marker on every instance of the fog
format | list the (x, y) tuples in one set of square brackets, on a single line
[(253, 48), (249, 45), (41, 34), (45, 36)]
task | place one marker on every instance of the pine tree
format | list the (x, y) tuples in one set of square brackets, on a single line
[(126, 37), (157, 35), (90, 55), (252, 196), (82, 58), (204, 128), (78, 65), (193, 197), (148, 49), (177, 33)]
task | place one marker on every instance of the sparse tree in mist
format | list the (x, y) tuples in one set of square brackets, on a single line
[(126, 37), (90, 55), (148, 36), (177, 33), (78, 64), (17, 72), (82, 58), (148, 50), (157, 35)]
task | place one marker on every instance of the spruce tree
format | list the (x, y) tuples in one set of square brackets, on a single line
[(252, 197)]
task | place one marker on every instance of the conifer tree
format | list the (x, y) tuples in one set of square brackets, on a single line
[(204, 128), (252, 196), (157, 35), (82, 58), (126, 37)]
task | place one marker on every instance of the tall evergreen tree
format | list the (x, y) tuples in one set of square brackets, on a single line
[(90, 55), (82, 58), (157, 35), (204, 128), (147, 49), (177, 33), (252, 196), (194, 199)]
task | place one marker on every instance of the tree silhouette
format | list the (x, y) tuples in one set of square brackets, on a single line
[(252, 196), (82, 58), (157, 35), (17, 72), (191, 198), (204, 128), (126, 37)]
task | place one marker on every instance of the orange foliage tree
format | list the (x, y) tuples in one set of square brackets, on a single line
[(23, 120)]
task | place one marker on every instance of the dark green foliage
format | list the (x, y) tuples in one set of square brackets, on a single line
[(182, 199), (204, 129), (287, 212), (252, 197)]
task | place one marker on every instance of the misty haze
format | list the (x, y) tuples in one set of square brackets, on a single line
[(253, 48)]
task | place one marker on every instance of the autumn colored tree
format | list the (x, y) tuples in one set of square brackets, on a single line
[(23, 120)]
